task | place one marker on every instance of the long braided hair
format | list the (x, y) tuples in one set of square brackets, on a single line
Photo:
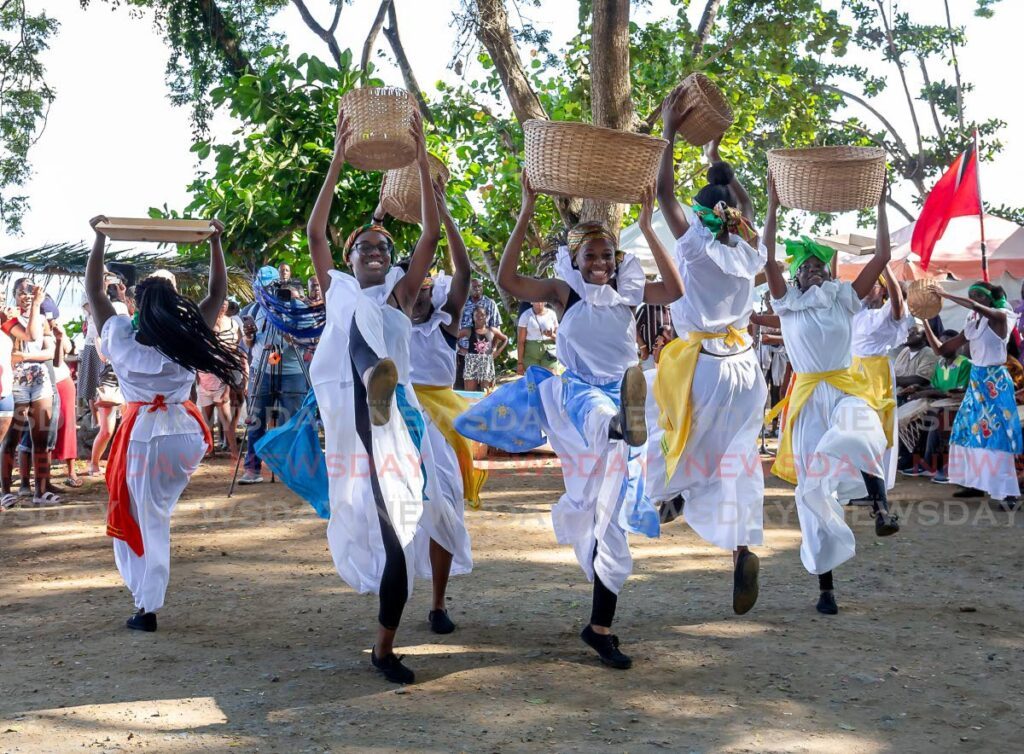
[(175, 327)]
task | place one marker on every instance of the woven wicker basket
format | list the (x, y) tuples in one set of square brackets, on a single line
[(711, 114), (400, 191), (923, 298), (590, 162), (828, 179), (380, 118)]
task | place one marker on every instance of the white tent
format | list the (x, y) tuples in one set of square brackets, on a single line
[(632, 240)]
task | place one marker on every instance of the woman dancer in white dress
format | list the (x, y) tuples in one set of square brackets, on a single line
[(707, 405), (879, 328), (593, 414), (374, 431), (162, 437), (986, 432), (833, 443), (435, 334)]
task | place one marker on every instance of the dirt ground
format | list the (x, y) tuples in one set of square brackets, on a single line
[(261, 646)]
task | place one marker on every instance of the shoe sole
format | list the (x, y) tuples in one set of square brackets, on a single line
[(380, 388), (887, 530), (633, 412), (745, 583)]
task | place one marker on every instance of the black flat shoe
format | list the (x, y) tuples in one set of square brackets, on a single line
[(391, 667), (1010, 504), (968, 492), (670, 510), (745, 582), (886, 524), (633, 412), (142, 621), (607, 646), (380, 388), (439, 621), (827, 603)]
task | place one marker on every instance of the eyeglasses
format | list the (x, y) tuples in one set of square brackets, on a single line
[(366, 248)]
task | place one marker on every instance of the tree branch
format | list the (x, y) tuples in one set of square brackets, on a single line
[(371, 37), (956, 68), (337, 17), (931, 99), (882, 119), (903, 75), (707, 23), (494, 32), (391, 32), (225, 38), (324, 34), (899, 208)]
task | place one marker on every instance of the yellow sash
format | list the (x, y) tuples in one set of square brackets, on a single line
[(846, 381), (878, 371), (673, 383), (442, 405)]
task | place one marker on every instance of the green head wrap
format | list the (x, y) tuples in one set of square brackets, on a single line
[(997, 303), (708, 218), (800, 250)]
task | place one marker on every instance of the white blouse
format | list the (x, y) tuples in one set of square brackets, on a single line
[(876, 333), (987, 348), (144, 373), (432, 357), (817, 326), (718, 284), (597, 337)]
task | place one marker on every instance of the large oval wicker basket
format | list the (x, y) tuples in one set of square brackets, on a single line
[(711, 114), (828, 179), (923, 298), (590, 162), (400, 191), (379, 118)]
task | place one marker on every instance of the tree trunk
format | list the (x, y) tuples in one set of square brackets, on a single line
[(610, 88), (707, 23), (225, 38), (391, 32), (495, 34)]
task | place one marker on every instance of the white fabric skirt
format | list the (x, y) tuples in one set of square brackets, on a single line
[(587, 515), (835, 438), (158, 471), (719, 474), (993, 471)]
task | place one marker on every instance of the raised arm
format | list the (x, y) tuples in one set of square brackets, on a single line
[(772, 271), (95, 290), (947, 349), (459, 292), (520, 286), (316, 228), (34, 329), (217, 287), (876, 266), (998, 318), (422, 258), (670, 288), (671, 120)]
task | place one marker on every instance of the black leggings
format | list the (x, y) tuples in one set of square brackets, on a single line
[(394, 582), (876, 491), (602, 611)]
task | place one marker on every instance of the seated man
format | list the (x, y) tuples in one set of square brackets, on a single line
[(914, 364)]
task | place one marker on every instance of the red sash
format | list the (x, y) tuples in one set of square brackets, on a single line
[(120, 523)]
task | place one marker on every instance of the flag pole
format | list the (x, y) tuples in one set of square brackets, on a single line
[(981, 214)]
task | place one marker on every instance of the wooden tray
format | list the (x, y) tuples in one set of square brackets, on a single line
[(150, 229)]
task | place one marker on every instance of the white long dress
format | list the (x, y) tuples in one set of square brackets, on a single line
[(836, 436), (432, 362), (876, 333), (165, 448), (596, 343), (410, 498), (719, 473)]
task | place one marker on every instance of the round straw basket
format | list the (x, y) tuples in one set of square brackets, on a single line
[(380, 118), (923, 298), (400, 191), (590, 162), (828, 179), (711, 114)]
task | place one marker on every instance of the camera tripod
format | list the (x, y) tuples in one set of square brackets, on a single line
[(268, 368)]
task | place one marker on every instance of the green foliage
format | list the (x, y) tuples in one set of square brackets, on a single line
[(25, 100)]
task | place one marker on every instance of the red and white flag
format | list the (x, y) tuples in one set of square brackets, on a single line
[(957, 193)]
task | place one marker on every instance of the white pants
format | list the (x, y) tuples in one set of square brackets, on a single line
[(158, 472)]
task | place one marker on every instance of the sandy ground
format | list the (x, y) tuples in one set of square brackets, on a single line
[(262, 647)]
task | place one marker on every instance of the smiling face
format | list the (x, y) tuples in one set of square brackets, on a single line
[(812, 273), (370, 258), (423, 307), (479, 318), (23, 295), (596, 261)]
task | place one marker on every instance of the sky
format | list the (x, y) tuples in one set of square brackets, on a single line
[(115, 145)]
